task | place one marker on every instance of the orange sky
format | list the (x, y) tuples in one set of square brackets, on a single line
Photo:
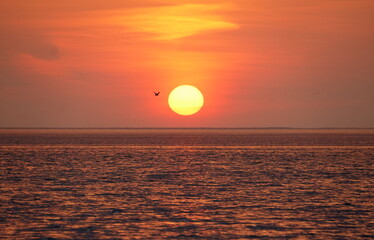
[(259, 63)]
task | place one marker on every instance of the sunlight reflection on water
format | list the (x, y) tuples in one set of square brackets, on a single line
[(94, 190)]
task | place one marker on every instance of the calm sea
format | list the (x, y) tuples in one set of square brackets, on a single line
[(186, 184)]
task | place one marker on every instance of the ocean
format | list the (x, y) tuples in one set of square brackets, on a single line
[(186, 184)]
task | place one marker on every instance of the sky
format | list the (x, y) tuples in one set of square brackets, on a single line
[(258, 63)]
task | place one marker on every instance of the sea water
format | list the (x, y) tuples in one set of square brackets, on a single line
[(186, 184)]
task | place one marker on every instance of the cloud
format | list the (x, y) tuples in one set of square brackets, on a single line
[(29, 42), (26, 26), (174, 22)]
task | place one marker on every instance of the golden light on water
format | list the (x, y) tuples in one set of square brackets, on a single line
[(186, 100)]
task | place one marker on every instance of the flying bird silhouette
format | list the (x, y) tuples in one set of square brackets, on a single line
[(156, 93)]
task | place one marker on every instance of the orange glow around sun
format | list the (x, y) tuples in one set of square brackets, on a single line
[(256, 63)]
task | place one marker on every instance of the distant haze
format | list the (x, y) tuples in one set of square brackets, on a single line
[(265, 63)]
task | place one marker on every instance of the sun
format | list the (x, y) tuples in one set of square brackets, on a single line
[(186, 100)]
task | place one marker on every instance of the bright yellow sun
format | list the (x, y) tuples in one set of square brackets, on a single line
[(186, 100)]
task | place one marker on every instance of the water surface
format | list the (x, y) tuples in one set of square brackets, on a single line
[(186, 184)]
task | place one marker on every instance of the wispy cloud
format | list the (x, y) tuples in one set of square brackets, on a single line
[(174, 22)]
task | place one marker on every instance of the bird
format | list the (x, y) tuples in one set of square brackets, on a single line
[(156, 93)]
